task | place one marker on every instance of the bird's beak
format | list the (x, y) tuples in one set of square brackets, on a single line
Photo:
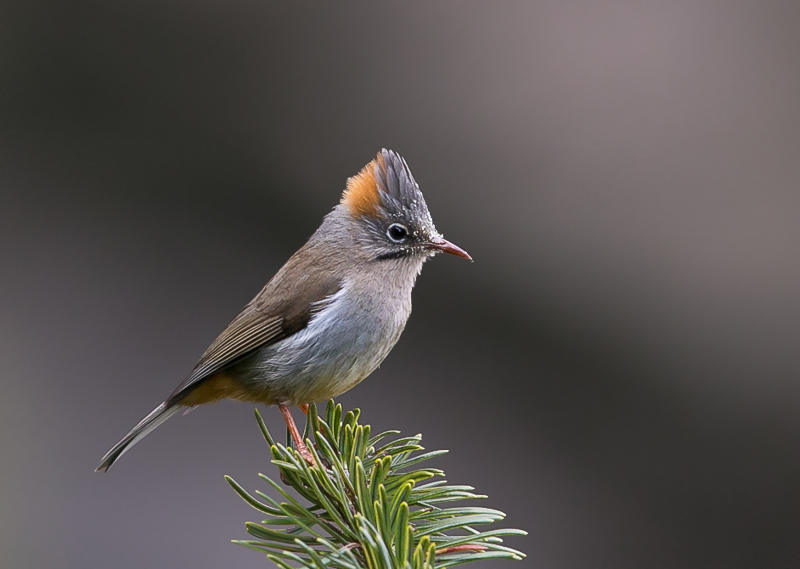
[(441, 244)]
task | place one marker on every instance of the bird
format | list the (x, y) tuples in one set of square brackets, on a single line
[(328, 317)]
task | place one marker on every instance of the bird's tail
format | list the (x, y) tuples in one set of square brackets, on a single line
[(140, 431)]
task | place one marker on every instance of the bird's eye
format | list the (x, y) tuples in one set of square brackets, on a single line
[(397, 232)]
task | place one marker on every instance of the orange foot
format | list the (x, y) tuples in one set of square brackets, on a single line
[(299, 445)]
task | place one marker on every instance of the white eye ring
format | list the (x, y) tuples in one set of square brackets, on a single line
[(397, 232)]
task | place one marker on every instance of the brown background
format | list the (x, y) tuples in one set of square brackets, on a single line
[(618, 369)]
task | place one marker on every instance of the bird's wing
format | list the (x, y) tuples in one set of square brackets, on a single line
[(248, 331), (276, 313)]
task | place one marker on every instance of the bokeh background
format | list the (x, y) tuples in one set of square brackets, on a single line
[(618, 370)]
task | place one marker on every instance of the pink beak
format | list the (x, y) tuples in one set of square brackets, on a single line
[(444, 245)]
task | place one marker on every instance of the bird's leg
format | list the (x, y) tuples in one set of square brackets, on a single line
[(299, 445), (304, 408)]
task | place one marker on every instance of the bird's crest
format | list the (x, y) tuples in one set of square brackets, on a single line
[(361, 194), (384, 189)]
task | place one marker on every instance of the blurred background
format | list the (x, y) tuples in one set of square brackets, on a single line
[(618, 370)]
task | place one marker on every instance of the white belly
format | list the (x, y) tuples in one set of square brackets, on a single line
[(343, 343)]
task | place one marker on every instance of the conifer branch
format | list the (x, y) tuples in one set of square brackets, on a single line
[(366, 507)]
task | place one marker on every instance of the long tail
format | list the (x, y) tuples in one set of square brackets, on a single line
[(140, 431)]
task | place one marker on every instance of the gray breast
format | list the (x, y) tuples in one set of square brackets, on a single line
[(348, 337)]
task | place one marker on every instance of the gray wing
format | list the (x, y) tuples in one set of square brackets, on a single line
[(276, 313), (250, 330)]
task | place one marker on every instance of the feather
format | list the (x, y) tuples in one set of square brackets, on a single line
[(361, 195), (140, 431)]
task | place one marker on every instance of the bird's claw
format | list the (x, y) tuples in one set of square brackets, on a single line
[(305, 454)]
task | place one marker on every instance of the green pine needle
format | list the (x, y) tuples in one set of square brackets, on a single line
[(366, 507)]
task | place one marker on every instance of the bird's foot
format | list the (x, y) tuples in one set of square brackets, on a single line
[(303, 451), (299, 445)]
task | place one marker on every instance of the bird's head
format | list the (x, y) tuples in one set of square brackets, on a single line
[(389, 213)]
